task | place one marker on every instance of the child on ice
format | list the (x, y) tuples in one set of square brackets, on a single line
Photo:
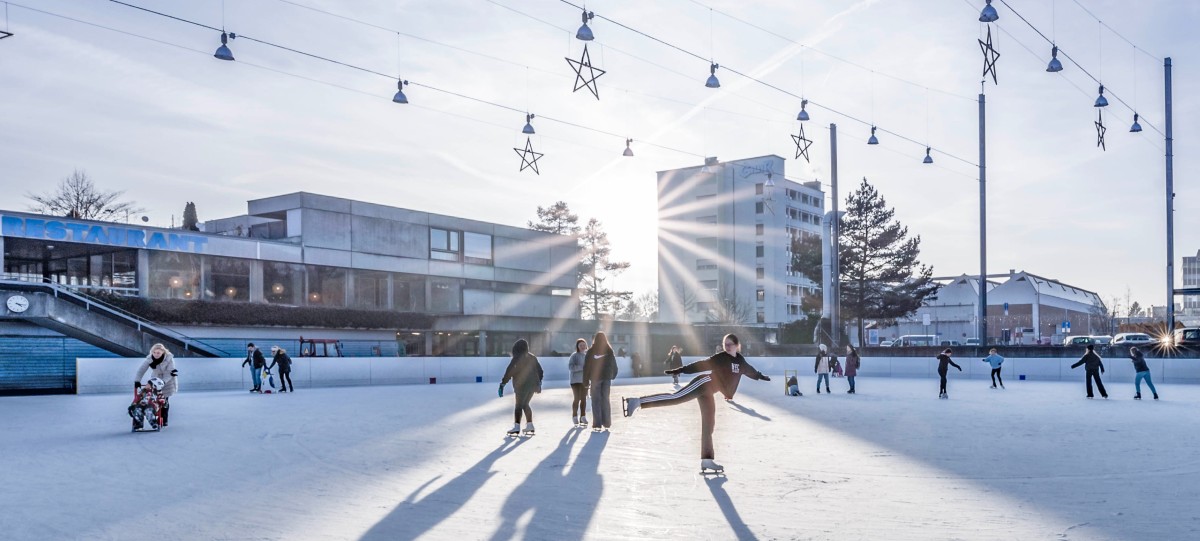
[(995, 360)]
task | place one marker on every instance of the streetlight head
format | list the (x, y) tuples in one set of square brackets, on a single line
[(1101, 101), (585, 33), (400, 97), (1135, 127), (628, 151), (223, 51), (528, 129), (803, 114), (1054, 66), (988, 14), (873, 140), (928, 158), (712, 81)]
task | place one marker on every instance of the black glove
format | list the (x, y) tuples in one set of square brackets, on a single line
[(673, 371), (959, 368), (137, 385), (764, 377), (174, 373)]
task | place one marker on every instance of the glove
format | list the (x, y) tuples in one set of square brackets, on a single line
[(673, 371), (500, 391), (137, 385), (764, 377), (174, 373), (960, 369)]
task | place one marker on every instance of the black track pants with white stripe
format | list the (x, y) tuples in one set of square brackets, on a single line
[(701, 388)]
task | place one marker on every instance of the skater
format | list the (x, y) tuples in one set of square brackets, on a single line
[(944, 363), (526, 374), (1094, 367), (161, 364), (793, 387), (821, 367), (578, 389), (853, 361), (727, 368), (599, 369), (674, 360), (995, 360), (1143, 373), (281, 358), (256, 362)]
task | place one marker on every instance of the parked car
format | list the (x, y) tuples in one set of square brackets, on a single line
[(1102, 340), (972, 342), (949, 343), (1187, 337), (1132, 339), (885, 344), (1077, 341), (911, 340)]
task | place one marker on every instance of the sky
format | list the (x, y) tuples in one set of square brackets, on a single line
[(138, 102)]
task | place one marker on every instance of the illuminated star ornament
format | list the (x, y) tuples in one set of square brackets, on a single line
[(593, 73), (528, 153), (1100, 129), (802, 144), (990, 56)]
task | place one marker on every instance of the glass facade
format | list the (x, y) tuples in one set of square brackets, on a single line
[(283, 283), (326, 286), (226, 279), (408, 293), (445, 295), (370, 290), (174, 275)]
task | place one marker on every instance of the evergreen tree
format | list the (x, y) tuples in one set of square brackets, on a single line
[(881, 278), (190, 221), (556, 218), (596, 270)]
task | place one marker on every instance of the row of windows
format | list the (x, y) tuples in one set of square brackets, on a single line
[(465, 246), (804, 198), (806, 217)]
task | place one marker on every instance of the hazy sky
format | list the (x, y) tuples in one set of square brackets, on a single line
[(168, 123)]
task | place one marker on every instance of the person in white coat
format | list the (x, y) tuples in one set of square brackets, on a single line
[(161, 364)]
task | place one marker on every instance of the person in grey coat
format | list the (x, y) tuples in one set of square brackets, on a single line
[(161, 364), (526, 374), (578, 388), (1093, 368)]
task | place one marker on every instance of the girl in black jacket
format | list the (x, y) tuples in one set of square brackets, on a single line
[(526, 374), (726, 369), (284, 362), (599, 369), (944, 364)]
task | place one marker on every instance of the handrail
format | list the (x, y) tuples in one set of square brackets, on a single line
[(87, 301)]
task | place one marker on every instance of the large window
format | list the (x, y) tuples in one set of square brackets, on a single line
[(283, 283), (228, 279), (370, 290), (445, 245), (174, 275), (445, 295), (326, 286), (408, 293), (477, 248)]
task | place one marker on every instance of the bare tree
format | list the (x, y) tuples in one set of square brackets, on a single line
[(644, 307), (77, 197), (729, 309)]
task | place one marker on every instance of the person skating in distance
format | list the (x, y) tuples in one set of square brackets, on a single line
[(995, 360), (944, 364), (1143, 373), (1094, 366), (821, 367), (724, 369), (526, 374)]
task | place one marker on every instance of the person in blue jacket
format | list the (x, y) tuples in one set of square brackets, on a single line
[(995, 360)]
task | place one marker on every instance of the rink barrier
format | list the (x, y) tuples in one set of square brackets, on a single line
[(115, 375)]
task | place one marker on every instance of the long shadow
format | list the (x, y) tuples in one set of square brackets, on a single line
[(414, 516), (716, 485), (748, 411), (551, 494)]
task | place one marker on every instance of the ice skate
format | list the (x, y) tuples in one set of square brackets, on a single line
[(631, 405), (1137, 396), (515, 430), (1156, 396), (583, 420), (709, 464), (529, 429), (575, 420)]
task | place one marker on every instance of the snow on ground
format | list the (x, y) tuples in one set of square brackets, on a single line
[(1035, 461)]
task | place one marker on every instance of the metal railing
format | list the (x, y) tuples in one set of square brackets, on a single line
[(93, 304)]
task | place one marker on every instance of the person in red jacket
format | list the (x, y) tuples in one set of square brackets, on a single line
[(725, 370)]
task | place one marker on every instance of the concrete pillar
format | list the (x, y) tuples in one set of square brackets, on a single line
[(143, 273), (482, 346), (256, 281)]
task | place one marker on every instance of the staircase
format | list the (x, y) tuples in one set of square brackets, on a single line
[(92, 321)]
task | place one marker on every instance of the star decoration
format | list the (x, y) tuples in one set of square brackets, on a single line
[(1100, 129), (525, 155), (802, 144), (990, 56), (589, 81), (4, 34)]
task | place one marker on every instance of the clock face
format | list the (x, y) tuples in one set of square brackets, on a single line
[(18, 303)]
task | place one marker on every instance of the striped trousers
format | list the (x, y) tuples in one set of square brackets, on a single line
[(700, 389)]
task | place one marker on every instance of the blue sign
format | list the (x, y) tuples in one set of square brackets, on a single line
[(1006, 308), (109, 235)]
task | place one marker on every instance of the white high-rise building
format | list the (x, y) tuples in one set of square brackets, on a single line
[(1191, 278), (724, 241)]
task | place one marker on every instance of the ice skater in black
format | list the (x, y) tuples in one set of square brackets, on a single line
[(724, 369), (280, 357), (526, 374), (944, 364), (1093, 367)]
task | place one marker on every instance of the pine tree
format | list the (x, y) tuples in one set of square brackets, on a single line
[(881, 278), (190, 221), (596, 270), (557, 219)]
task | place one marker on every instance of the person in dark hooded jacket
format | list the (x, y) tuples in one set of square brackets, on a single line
[(944, 364), (725, 370), (599, 369), (526, 374), (284, 361), (1143, 373), (256, 362), (1092, 370)]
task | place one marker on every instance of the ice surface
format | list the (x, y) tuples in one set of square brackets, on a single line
[(1035, 461)]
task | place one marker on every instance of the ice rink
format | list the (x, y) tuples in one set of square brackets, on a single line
[(1034, 461)]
